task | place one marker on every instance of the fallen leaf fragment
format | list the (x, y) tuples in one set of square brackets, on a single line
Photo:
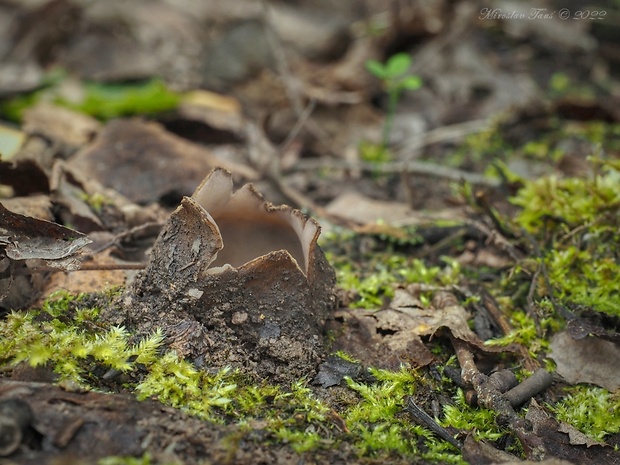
[(553, 441), (25, 176), (27, 242), (146, 163), (576, 437), (37, 206), (388, 337), (335, 369), (68, 128), (32, 238), (589, 360), (11, 140), (356, 207), (378, 338)]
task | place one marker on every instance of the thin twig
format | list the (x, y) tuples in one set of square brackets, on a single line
[(559, 308), (406, 148), (500, 319), (491, 398), (25, 271), (290, 84), (426, 420), (301, 121), (398, 167), (529, 387), (496, 238)]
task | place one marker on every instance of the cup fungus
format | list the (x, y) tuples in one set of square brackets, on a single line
[(235, 280)]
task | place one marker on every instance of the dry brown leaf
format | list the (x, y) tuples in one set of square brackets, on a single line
[(555, 442), (26, 243), (356, 207), (590, 360), (576, 437), (32, 238), (219, 111), (377, 339), (25, 176), (386, 338), (36, 206), (11, 140), (66, 127), (146, 163)]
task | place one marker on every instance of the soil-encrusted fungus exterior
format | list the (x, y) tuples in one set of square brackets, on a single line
[(236, 281)]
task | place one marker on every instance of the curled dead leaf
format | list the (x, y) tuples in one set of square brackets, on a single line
[(32, 238), (26, 243)]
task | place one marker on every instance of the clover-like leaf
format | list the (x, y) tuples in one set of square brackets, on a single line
[(411, 83), (397, 65), (377, 69)]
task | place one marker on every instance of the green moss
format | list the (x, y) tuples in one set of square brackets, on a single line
[(586, 279), (561, 205), (106, 101), (592, 410), (176, 382), (541, 150), (67, 338), (370, 277), (146, 459), (527, 333), (345, 356), (48, 337), (374, 153), (480, 421), (561, 85), (375, 421), (576, 221), (300, 441), (482, 146), (96, 201), (101, 100)]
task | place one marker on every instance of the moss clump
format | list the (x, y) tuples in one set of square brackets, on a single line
[(527, 333), (377, 421), (479, 420), (146, 459), (103, 101), (577, 222), (370, 277), (49, 337), (592, 410), (562, 204), (97, 201), (107, 101), (178, 383), (64, 335), (372, 288)]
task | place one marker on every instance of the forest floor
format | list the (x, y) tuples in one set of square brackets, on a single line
[(437, 284)]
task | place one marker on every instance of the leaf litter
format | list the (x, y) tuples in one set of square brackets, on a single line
[(469, 267)]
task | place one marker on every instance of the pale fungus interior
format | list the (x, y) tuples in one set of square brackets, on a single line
[(250, 227)]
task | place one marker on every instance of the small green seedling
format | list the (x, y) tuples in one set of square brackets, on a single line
[(395, 77)]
